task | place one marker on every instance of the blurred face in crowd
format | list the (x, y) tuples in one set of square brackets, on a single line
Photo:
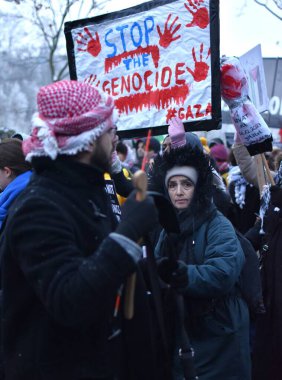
[(166, 144), (6, 177), (181, 191), (140, 150)]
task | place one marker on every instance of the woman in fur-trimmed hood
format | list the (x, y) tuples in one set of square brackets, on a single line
[(209, 261), (185, 156)]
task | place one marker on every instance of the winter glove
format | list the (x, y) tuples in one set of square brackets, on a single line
[(176, 132), (174, 273), (137, 217), (179, 279), (276, 196), (165, 268)]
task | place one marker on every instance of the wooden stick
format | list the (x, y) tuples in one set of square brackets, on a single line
[(145, 158), (260, 172), (140, 183), (265, 163)]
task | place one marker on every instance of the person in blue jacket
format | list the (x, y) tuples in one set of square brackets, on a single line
[(15, 173), (210, 258)]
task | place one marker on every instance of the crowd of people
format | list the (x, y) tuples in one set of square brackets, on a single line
[(195, 247)]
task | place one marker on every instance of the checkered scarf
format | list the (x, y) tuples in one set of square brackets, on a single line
[(265, 198), (240, 185), (278, 176), (264, 203), (71, 115)]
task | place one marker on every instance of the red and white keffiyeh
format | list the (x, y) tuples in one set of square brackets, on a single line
[(71, 115)]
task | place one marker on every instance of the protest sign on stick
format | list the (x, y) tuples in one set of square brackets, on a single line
[(157, 60), (253, 131)]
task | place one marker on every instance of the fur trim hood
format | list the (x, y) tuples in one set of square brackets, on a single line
[(185, 156)]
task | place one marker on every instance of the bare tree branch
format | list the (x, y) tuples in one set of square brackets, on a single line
[(49, 16), (62, 73), (264, 4)]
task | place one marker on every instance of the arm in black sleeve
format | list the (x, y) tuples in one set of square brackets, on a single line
[(73, 288)]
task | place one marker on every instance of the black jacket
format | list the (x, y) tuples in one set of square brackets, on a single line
[(60, 275), (268, 339)]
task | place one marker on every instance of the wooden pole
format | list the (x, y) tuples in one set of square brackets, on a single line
[(265, 163), (260, 172), (140, 183)]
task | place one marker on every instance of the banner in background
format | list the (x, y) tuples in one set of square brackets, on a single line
[(157, 60)]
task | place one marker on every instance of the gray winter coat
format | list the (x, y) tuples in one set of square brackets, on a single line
[(217, 317)]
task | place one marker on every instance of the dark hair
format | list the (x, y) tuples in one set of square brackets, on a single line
[(154, 145), (122, 148), (17, 136), (11, 156)]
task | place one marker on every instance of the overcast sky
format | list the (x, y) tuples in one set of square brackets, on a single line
[(243, 25)]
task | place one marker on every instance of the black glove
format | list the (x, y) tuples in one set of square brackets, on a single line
[(179, 279), (276, 196), (174, 273), (165, 269), (137, 218)]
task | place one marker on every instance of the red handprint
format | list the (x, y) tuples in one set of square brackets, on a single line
[(201, 68), (93, 46), (167, 37), (200, 14), (92, 80)]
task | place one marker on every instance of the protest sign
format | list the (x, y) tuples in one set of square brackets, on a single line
[(251, 128), (252, 63), (157, 60)]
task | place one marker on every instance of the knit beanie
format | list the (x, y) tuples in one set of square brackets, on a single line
[(219, 152), (71, 115), (186, 171)]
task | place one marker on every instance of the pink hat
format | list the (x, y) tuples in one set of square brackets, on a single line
[(219, 152), (71, 115)]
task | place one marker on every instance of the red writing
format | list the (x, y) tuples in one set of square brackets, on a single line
[(145, 82), (191, 112), (115, 61)]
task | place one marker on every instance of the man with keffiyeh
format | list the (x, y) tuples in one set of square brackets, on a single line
[(64, 258)]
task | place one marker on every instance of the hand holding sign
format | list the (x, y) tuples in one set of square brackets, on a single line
[(250, 126), (176, 132)]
